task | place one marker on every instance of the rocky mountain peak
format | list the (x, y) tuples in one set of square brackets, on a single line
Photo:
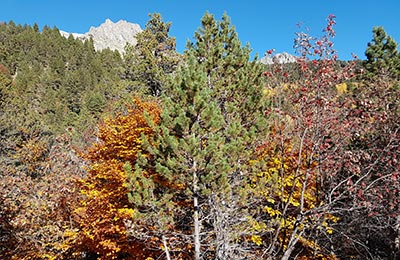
[(110, 35), (280, 58)]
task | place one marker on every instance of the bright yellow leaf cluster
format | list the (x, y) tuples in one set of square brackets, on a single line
[(289, 190)]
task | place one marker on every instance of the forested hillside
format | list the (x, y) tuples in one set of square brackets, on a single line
[(152, 154)]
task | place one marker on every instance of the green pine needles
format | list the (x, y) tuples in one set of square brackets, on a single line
[(382, 54), (211, 122)]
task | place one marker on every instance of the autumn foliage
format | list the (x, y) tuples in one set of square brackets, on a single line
[(323, 123), (228, 159), (105, 208)]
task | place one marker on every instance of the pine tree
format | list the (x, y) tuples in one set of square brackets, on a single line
[(153, 57), (5, 83), (210, 123), (382, 54)]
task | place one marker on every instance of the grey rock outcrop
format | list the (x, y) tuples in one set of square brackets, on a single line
[(110, 35), (280, 58)]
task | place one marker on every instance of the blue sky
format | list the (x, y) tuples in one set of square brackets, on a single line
[(265, 24)]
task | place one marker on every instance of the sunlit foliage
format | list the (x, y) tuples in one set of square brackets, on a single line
[(105, 208)]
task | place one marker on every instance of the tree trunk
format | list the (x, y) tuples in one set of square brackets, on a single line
[(196, 228), (196, 219), (166, 248)]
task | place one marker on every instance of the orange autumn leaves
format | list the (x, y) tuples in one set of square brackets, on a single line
[(121, 136), (105, 207), (105, 212)]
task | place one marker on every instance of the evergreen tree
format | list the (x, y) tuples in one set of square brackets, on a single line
[(153, 57), (5, 83), (382, 54), (56, 82), (211, 120)]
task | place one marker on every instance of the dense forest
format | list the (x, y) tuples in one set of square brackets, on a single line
[(206, 154)]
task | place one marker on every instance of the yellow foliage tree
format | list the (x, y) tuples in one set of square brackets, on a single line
[(105, 209), (291, 207)]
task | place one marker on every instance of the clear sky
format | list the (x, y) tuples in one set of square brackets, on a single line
[(265, 24)]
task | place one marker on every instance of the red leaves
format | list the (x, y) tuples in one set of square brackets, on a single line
[(269, 52), (351, 129), (329, 28), (268, 74), (331, 17)]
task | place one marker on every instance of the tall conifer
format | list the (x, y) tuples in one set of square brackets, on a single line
[(212, 118), (153, 57), (382, 54)]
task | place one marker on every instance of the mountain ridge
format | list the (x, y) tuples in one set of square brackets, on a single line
[(280, 58), (113, 36)]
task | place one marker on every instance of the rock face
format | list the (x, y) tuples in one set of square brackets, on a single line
[(110, 35), (280, 58)]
